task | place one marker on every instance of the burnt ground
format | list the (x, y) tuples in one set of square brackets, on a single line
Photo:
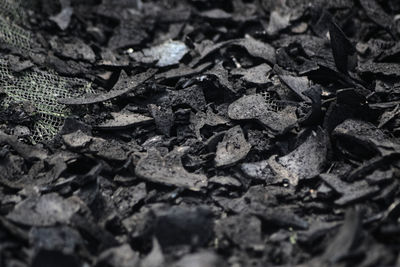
[(213, 133)]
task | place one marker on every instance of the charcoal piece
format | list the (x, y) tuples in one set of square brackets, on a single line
[(123, 120), (315, 114), (27, 152), (243, 230), (67, 67), (200, 259), (277, 22), (112, 59), (351, 97), (312, 45), (46, 258), (316, 146), (72, 125), (225, 180), (321, 25), (350, 192), (216, 14), (155, 258), (207, 48), (63, 239), (370, 165), (209, 118), (213, 141), (109, 149), (124, 85), (122, 256), (256, 75), (369, 139), (183, 71), (293, 167), (389, 115), (255, 199), (377, 254), (46, 210), (169, 170), (163, 118), (282, 218), (127, 198), (344, 52), (316, 231), (96, 237), (18, 64), (259, 140), (131, 32), (346, 239), (390, 54), (12, 168), (260, 171), (376, 13), (380, 177), (324, 191), (222, 75), (63, 18), (387, 194), (257, 49), (77, 140), (270, 69), (183, 226), (164, 55), (232, 149), (254, 107), (76, 50), (119, 10), (299, 85), (192, 97), (385, 69)]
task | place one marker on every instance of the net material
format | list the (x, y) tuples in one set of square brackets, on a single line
[(11, 33), (42, 90), (11, 9), (39, 88), (272, 103)]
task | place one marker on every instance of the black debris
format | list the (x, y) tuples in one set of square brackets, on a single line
[(199, 133)]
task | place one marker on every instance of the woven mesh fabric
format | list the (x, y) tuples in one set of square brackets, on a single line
[(272, 103), (11, 9), (11, 15), (41, 89)]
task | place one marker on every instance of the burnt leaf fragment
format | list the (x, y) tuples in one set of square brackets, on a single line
[(243, 230), (363, 139), (169, 170), (124, 85), (254, 107), (346, 238), (350, 192), (123, 120), (376, 13), (46, 210), (257, 48), (255, 75), (385, 69), (183, 226), (343, 50), (294, 166), (164, 55), (232, 149)]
